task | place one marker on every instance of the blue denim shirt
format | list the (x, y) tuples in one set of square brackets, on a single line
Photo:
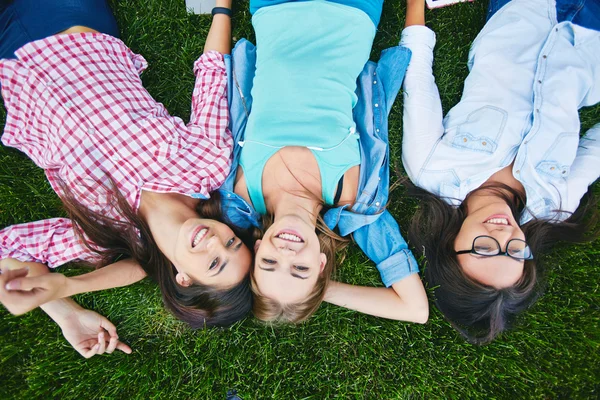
[(374, 229)]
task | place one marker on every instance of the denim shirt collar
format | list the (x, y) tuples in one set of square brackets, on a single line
[(377, 88)]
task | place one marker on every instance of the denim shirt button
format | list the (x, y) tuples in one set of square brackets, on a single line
[(518, 171), (377, 130), (376, 105), (374, 82), (377, 203)]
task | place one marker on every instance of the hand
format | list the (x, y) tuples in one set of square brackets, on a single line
[(90, 333), (20, 294)]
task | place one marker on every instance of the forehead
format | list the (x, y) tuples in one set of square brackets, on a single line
[(499, 272)]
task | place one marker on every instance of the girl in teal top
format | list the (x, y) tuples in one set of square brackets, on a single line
[(301, 149)]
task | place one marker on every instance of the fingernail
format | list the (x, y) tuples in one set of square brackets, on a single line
[(9, 286)]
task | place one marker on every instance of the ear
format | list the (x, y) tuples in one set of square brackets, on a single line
[(183, 279), (323, 260), (257, 245)]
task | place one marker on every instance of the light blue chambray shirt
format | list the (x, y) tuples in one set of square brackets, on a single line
[(528, 77), (374, 229)]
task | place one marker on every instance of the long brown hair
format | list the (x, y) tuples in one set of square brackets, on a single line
[(481, 312), (198, 305)]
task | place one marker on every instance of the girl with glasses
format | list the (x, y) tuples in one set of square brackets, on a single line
[(505, 174)]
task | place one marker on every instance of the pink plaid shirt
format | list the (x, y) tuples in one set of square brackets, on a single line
[(76, 106)]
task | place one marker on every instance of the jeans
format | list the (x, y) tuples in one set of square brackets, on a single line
[(584, 13), (371, 7), (23, 21)]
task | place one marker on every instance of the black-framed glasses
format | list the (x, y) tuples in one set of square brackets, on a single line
[(487, 246)]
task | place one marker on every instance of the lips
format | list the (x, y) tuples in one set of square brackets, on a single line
[(198, 235), (289, 236), (498, 219)]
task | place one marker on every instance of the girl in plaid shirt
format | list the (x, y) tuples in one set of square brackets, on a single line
[(134, 180)]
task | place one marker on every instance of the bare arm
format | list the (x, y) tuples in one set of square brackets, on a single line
[(406, 300), (40, 287), (87, 331), (219, 35), (415, 12)]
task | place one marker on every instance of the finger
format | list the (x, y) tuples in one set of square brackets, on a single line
[(110, 328), (102, 343), (11, 274), (91, 352), (123, 347), (38, 282), (112, 344)]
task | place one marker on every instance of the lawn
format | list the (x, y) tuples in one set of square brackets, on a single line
[(553, 352)]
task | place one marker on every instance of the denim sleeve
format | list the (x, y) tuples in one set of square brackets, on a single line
[(383, 243)]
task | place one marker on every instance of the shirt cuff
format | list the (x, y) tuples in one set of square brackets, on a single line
[(210, 61), (418, 34), (397, 267)]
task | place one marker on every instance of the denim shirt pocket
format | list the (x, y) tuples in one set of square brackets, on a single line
[(556, 162), (481, 130)]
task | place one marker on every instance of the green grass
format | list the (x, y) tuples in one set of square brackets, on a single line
[(554, 353)]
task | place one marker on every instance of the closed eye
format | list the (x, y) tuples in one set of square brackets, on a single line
[(301, 268), (268, 261)]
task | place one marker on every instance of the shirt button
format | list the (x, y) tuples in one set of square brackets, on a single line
[(375, 73), (228, 194), (539, 81), (525, 142), (484, 143), (376, 105), (545, 56), (465, 140), (518, 171), (377, 204), (377, 130), (564, 172), (552, 168), (537, 110), (374, 82)]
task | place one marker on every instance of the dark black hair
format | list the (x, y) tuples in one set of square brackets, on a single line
[(481, 312)]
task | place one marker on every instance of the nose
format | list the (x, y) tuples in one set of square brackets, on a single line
[(286, 251), (214, 243)]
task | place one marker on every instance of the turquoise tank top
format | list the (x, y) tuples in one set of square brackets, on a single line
[(309, 55)]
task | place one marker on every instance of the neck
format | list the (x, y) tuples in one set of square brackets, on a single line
[(166, 211), (485, 197), (303, 205)]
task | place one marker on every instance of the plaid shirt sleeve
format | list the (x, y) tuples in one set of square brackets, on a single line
[(50, 241), (209, 101)]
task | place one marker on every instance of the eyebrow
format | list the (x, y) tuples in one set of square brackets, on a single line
[(272, 269), (235, 249)]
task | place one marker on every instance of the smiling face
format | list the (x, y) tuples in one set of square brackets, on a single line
[(288, 261), (208, 252), (495, 220)]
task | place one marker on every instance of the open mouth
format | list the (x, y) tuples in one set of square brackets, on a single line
[(199, 234), (289, 236), (498, 220)]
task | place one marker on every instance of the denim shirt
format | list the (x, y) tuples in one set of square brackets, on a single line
[(519, 106), (374, 229)]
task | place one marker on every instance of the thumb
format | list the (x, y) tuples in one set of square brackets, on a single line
[(11, 274), (24, 283)]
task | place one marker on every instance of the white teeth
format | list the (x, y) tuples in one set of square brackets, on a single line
[(290, 237), (199, 236), (497, 221)]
